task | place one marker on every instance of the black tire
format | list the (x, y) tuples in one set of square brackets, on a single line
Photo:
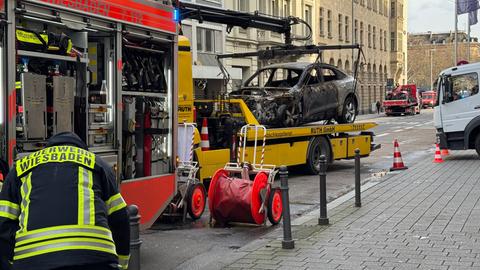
[(274, 213), (477, 144), (349, 111), (317, 147), (196, 208)]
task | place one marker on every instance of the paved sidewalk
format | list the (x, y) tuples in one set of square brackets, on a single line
[(427, 217)]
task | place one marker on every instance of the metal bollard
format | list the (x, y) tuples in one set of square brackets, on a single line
[(287, 242), (358, 199), (135, 242), (323, 220)]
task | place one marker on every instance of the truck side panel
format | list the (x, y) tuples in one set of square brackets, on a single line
[(288, 154)]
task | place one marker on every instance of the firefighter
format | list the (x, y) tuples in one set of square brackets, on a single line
[(60, 209)]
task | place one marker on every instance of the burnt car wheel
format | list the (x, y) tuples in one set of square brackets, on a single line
[(318, 146), (288, 116), (349, 111)]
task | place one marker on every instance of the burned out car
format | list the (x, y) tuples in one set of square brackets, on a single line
[(292, 94)]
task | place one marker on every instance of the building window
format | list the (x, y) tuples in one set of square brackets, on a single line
[(242, 5), (361, 33), (340, 27), (375, 5), (369, 4), (400, 11), (380, 7), (187, 31), (374, 41), (329, 23), (381, 39), (385, 40), (393, 12), (308, 18), (355, 38), (369, 36), (322, 22), (393, 42), (209, 40), (362, 2), (347, 29)]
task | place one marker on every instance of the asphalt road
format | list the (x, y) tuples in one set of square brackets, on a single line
[(195, 245)]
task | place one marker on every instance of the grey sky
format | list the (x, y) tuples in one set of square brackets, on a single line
[(436, 16)]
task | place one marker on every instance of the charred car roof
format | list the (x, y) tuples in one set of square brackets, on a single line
[(296, 65)]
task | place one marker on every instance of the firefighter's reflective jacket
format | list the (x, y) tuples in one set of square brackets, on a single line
[(60, 207)]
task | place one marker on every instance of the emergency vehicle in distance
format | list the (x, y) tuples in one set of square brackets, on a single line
[(402, 100), (429, 98)]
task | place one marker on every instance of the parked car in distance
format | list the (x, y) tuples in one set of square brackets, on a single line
[(292, 94)]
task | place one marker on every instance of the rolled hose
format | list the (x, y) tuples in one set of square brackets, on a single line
[(236, 200)]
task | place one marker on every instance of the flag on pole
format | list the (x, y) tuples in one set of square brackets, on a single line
[(467, 6), (473, 17)]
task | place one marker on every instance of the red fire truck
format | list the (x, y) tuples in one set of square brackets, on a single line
[(104, 69), (428, 99), (402, 100)]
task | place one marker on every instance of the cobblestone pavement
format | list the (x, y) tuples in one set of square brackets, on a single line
[(427, 217)]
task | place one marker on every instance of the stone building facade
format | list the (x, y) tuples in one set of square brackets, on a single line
[(398, 41), (430, 53), (207, 40), (332, 23), (370, 28), (247, 40)]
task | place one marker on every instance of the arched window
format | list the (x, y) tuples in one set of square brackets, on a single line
[(369, 74), (339, 63), (332, 62), (380, 73), (347, 66), (369, 94), (374, 73)]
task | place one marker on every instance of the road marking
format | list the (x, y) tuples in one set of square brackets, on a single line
[(382, 135), (419, 125), (398, 130), (408, 127)]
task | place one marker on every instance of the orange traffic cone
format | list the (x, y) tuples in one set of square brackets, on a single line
[(438, 155), (444, 152), (397, 158), (205, 142)]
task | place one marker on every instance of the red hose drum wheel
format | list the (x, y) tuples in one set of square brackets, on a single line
[(275, 206), (196, 200), (239, 200)]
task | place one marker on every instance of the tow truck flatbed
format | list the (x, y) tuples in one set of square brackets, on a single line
[(291, 146)]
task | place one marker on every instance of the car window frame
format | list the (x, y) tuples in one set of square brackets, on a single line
[(308, 76)]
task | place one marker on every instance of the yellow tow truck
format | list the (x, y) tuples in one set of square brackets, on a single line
[(292, 146)]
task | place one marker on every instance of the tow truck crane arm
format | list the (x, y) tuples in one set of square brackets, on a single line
[(244, 20), (289, 50)]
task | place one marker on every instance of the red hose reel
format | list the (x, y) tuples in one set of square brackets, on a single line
[(241, 200)]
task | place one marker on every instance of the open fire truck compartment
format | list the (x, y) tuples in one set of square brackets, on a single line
[(106, 70)]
